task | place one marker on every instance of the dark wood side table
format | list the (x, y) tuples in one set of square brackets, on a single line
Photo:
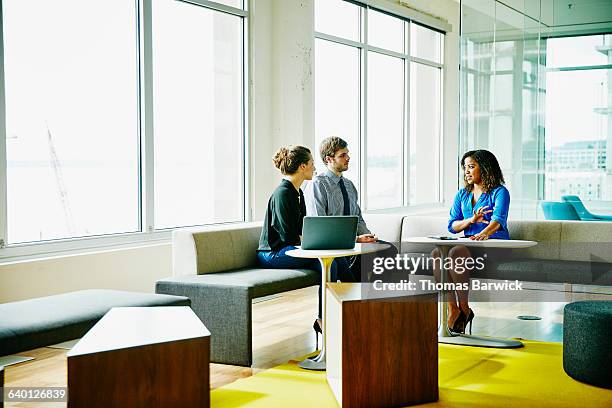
[(142, 357), (382, 346)]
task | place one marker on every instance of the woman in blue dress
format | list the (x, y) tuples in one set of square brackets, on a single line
[(480, 210)]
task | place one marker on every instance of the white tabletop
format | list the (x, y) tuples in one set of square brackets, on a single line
[(335, 253), (125, 327), (488, 243)]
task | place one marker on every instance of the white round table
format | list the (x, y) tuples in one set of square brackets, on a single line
[(444, 334), (326, 257)]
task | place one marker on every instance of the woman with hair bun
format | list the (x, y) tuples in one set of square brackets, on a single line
[(282, 225)]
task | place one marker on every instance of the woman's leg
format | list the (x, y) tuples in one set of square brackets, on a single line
[(341, 271), (280, 260), (453, 307), (461, 275)]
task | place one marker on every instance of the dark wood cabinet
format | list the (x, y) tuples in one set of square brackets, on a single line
[(382, 347), (142, 357)]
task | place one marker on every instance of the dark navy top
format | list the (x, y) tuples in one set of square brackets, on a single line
[(497, 200), (282, 224)]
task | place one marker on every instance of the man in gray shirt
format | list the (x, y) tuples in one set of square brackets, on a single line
[(332, 194)]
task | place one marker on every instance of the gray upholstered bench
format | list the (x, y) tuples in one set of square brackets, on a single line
[(32, 323), (587, 342), (216, 267), (223, 302)]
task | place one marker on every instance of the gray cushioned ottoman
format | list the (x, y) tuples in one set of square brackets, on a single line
[(38, 322), (587, 342)]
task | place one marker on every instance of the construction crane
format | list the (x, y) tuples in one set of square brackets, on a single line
[(59, 178)]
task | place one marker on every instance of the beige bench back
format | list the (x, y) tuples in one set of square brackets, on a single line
[(216, 248), (589, 241), (232, 246), (387, 227), (220, 248), (557, 240)]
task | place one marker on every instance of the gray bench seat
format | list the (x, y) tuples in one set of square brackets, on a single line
[(216, 267), (223, 302), (38, 322)]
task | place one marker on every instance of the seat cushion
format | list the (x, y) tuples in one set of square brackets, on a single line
[(259, 281), (38, 322)]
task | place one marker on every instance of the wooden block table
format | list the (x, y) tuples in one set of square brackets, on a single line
[(142, 357), (382, 347)]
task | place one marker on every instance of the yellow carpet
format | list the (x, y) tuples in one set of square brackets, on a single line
[(469, 377)]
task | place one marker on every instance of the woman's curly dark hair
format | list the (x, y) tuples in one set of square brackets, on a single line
[(490, 172)]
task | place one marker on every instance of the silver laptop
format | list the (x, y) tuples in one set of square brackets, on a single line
[(329, 232)]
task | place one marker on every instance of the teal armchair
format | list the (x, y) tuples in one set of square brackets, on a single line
[(583, 213), (559, 211)]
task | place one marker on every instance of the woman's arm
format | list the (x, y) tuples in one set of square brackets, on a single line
[(487, 232), (460, 225), (457, 221), (499, 218), (478, 216), (285, 217)]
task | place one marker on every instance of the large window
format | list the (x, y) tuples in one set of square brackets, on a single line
[(378, 85), (538, 96), (197, 83), (578, 124), (121, 116), (71, 118)]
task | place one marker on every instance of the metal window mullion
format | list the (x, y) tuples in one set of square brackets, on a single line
[(579, 68), (3, 158), (218, 7), (147, 164), (338, 40), (364, 113), (246, 125), (406, 112), (387, 52), (426, 62), (440, 136)]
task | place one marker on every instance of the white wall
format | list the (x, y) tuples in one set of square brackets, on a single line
[(281, 89), (262, 145), (134, 269)]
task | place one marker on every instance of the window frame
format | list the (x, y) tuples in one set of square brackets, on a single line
[(364, 48), (146, 234), (550, 165)]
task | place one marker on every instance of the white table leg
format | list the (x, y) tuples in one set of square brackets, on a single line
[(444, 334), (319, 363)]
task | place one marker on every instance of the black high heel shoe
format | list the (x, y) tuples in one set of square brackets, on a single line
[(459, 324), (318, 330), (468, 319)]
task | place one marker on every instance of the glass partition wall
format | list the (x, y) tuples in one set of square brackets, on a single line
[(536, 91)]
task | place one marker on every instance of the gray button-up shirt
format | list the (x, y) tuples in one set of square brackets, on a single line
[(324, 197)]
